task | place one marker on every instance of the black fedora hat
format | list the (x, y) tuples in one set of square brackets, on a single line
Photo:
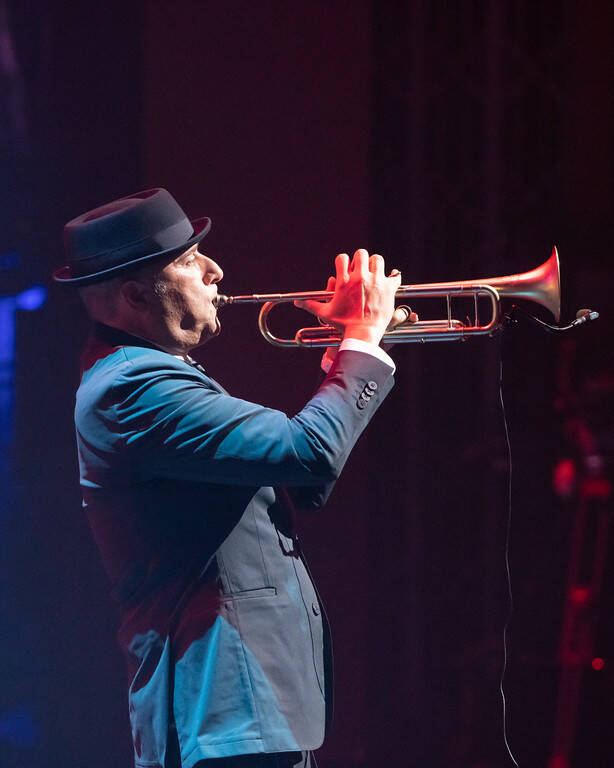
[(124, 233)]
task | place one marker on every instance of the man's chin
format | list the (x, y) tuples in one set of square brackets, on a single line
[(210, 333)]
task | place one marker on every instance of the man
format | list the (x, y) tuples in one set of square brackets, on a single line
[(190, 492)]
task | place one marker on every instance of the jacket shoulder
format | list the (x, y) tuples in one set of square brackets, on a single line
[(126, 367)]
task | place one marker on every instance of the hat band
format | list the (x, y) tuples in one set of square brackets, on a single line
[(167, 239)]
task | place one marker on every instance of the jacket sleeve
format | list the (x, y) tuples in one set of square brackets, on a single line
[(167, 422), (310, 497)]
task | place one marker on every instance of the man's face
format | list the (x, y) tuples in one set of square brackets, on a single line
[(186, 289)]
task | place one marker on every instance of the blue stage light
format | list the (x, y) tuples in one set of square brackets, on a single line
[(18, 728), (32, 298)]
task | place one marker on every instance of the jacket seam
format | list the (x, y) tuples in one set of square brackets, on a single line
[(264, 565), (313, 648), (222, 565), (249, 674)]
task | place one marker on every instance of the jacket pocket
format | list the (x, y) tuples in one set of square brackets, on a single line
[(245, 594)]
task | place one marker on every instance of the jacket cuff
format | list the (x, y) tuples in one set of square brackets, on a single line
[(357, 345)]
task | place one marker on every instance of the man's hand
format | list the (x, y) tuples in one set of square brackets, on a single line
[(362, 306)]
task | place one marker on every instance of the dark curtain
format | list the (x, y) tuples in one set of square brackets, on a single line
[(458, 140)]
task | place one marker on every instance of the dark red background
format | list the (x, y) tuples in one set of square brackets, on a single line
[(459, 140)]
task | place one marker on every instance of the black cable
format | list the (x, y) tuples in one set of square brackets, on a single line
[(582, 316), (507, 559)]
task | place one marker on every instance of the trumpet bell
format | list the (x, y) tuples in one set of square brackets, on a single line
[(541, 285)]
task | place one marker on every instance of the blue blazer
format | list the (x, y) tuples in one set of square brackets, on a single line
[(189, 492)]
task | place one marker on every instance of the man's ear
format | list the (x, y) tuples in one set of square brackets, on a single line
[(136, 295)]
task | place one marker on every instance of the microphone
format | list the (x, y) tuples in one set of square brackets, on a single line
[(583, 316)]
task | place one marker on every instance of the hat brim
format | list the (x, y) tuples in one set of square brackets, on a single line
[(63, 275)]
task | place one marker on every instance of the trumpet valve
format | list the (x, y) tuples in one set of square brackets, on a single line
[(410, 316)]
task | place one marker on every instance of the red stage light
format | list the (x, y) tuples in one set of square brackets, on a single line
[(597, 664)]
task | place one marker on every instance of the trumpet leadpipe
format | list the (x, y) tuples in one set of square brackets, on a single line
[(262, 298)]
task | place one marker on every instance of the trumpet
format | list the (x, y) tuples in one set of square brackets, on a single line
[(540, 285)]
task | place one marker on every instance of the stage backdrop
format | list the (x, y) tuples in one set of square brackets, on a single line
[(458, 142)]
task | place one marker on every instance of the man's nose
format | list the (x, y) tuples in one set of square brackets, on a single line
[(213, 273)]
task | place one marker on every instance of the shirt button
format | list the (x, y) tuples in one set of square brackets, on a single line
[(315, 608), (372, 385)]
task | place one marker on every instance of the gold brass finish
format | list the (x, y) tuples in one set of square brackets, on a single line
[(540, 285)]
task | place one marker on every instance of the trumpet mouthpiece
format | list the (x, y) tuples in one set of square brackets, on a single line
[(220, 300)]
